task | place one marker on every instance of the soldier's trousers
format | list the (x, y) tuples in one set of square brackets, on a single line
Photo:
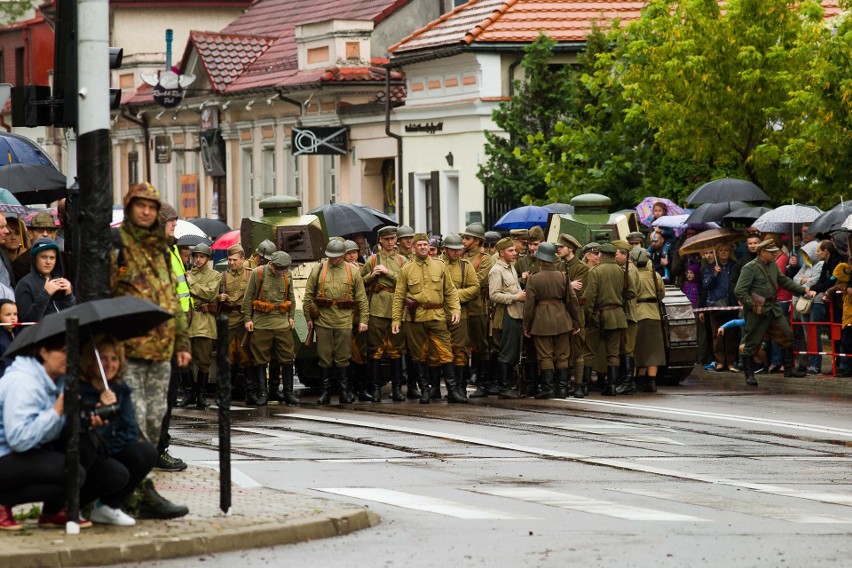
[(578, 352), (239, 355), (553, 351), (607, 343), (628, 339), (334, 346), (380, 340), (422, 336), (510, 341), (477, 330), (149, 381), (202, 353), (359, 346), (460, 343), (757, 326), (264, 341)]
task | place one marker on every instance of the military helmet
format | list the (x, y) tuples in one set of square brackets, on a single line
[(491, 238), (142, 190), (280, 259), (266, 248), (351, 246), (453, 241), (335, 248), (475, 230), (404, 231), (201, 248), (546, 252)]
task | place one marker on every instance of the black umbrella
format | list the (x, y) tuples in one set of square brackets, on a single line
[(33, 183), (713, 212), (348, 219), (381, 215), (192, 240), (726, 189), (745, 215), (831, 220), (559, 208), (214, 228), (123, 317)]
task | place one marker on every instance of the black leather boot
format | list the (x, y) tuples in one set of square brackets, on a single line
[(346, 396), (421, 370), (274, 382), (650, 384), (412, 378), (460, 372), (262, 392), (361, 383), (790, 369), (434, 383), (532, 378), (546, 390), (504, 381), (238, 383), (201, 390), (375, 379), (152, 505), (188, 390), (609, 386), (587, 383), (325, 397), (396, 381), (251, 386), (454, 392), (288, 394), (748, 369), (561, 385), (626, 384)]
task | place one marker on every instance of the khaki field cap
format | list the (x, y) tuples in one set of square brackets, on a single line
[(453, 241), (387, 231), (767, 245), (592, 246), (335, 248), (420, 237), (43, 220), (201, 248), (546, 252), (536, 234), (519, 234), (475, 230), (607, 248), (621, 245), (235, 249), (566, 240), (280, 259), (266, 248), (504, 243), (404, 231), (635, 237)]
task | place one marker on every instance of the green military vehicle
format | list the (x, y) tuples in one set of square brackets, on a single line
[(303, 237), (592, 221)]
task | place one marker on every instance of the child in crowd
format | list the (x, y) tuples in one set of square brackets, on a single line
[(8, 319), (692, 286)]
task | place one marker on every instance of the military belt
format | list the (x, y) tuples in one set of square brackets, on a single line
[(430, 306), (647, 301), (551, 301), (609, 307)]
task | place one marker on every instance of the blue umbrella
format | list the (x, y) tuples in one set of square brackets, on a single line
[(523, 218), (15, 149)]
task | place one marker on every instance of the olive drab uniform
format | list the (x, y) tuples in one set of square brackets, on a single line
[(477, 319), (531, 265), (425, 290), (606, 321), (577, 270), (628, 339), (234, 285), (467, 284), (204, 288)]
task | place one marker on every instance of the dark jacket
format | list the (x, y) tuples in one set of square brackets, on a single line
[(719, 288), (120, 430), (6, 339), (32, 299), (826, 276)]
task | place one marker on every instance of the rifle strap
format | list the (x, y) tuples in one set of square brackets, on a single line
[(324, 273), (260, 284)]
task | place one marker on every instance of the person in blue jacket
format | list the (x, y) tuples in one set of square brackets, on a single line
[(45, 289)]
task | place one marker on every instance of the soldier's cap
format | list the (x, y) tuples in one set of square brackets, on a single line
[(640, 257), (566, 240), (335, 248), (142, 190), (491, 238), (768, 245), (351, 246), (42, 220), (504, 243), (280, 259), (404, 231), (475, 230), (621, 245), (635, 236), (519, 234), (236, 249), (42, 245), (201, 248), (546, 252), (453, 241), (420, 237), (266, 248), (536, 234), (167, 213), (592, 246), (388, 231), (607, 248)]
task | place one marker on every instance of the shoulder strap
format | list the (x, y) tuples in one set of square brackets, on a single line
[(374, 261), (259, 274), (477, 262), (348, 279), (322, 278)]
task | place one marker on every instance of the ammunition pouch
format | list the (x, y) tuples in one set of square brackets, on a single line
[(206, 308), (284, 307), (262, 307), (343, 304)]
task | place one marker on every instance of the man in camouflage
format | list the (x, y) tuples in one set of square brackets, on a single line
[(380, 274), (426, 290), (204, 285), (333, 291), (269, 309), (473, 238)]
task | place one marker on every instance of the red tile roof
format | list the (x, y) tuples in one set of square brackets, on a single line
[(226, 57), (521, 21)]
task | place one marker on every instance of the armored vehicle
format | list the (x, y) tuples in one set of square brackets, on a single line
[(303, 237), (592, 221)]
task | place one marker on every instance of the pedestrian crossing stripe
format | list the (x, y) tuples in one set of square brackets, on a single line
[(586, 504), (422, 503)]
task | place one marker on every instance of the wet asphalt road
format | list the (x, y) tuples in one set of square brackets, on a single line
[(706, 473)]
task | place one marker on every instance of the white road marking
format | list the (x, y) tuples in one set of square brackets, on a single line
[(737, 506), (237, 477), (586, 504), (421, 503)]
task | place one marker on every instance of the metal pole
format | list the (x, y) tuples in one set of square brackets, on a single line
[(93, 148), (72, 419), (223, 366)]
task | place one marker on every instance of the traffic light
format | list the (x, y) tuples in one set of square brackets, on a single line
[(65, 65), (31, 106), (116, 54)]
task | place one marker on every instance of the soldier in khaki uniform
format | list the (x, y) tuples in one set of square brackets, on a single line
[(506, 294), (269, 307), (756, 290), (426, 290), (605, 317), (232, 292), (333, 291), (262, 254), (361, 382), (469, 289), (405, 241), (577, 274), (551, 315), (627, 366), (204, 289), (380, 274), (524, 267), (520, 238), (473, 239)]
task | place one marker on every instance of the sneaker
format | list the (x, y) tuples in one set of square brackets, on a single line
[(167, 462), (760, 370), (7, 520), (59, 520), (813, 371), (711, 366), (109, 516)]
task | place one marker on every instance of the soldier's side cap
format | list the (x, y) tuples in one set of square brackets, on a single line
[(635, 236), (768, 245), (621, 245), (536, 234), (351, 246), (280, 259), (504, 243), (519, 234), (235, 249), (607, 248), (201, 248), (591, 246), (566, 240), (475, 230), (42, 220), (335, 248), (421, 237), (546, 252), (404, 231), (388, 231)]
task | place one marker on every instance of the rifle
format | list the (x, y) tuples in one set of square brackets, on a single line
[(522, 375)]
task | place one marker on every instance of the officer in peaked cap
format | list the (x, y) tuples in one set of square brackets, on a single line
[(525, 266), (521, 237), (234, 283)]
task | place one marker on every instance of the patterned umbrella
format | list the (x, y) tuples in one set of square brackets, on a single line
[(645, 209), (787, 219), (709, 239)]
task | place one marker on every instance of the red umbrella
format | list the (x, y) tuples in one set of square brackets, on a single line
[(227, 240)]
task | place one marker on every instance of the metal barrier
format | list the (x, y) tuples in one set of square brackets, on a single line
[(835, 331)]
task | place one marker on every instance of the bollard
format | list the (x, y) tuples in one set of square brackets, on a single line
[(72, 417), (223, 379)]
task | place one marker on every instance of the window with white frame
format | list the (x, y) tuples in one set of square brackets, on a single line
[(247, 181), (329, 186), (268, 165)]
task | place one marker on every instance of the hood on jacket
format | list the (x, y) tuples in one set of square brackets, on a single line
[(41, 245), (809, 252)]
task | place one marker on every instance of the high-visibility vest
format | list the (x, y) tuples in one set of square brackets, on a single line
[(180, 277)]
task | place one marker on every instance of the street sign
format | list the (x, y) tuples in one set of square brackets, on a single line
[(329, 141)]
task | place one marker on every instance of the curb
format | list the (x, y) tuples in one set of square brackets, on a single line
[(810, 383)]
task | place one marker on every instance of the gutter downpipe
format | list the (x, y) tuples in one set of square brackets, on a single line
[(145, 134), (512, 67), (399, 184)]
